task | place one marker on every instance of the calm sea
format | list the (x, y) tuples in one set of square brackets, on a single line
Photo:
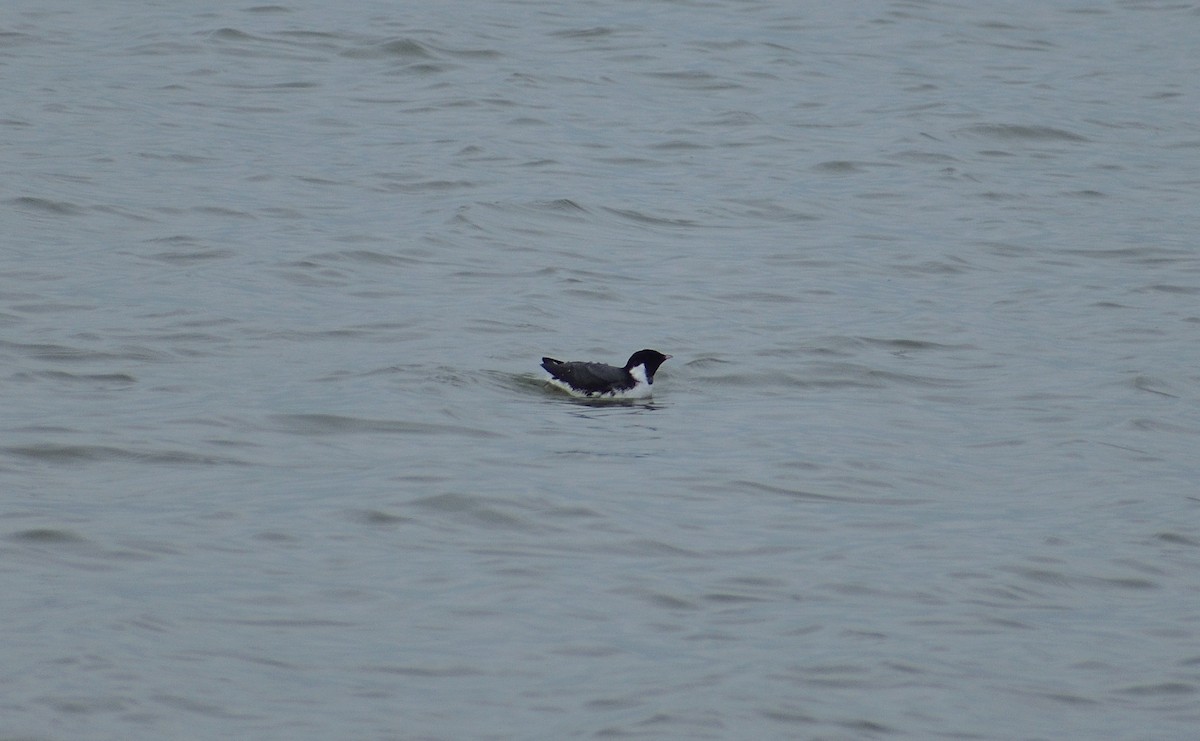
[(276, 461)]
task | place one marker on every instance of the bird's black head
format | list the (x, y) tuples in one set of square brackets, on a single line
[(651, 359)]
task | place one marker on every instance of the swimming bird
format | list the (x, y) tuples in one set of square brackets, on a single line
[(600, 381)]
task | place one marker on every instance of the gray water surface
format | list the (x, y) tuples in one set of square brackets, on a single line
[(277, 462)]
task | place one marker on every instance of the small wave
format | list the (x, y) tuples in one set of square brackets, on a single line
[(906, 345), (559, 204), (643, 218), (1028, 133), (585, 33), (121, 379), (67, 453), (425, 672), (188, 257), (1162, 689), (1169, 288), (802, 494), (1060, 578), (47, 536), (694, 80), (428, 186), (396, 48), (842, 167), (480, 510), (230, 34), (366, 257), (333, 424), (1174, 538), (45, 205), (63, 353), (378, 518)]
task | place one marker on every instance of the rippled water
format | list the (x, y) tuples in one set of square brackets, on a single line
[(277, 461)]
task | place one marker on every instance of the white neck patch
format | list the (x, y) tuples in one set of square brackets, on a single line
[(639, 374)]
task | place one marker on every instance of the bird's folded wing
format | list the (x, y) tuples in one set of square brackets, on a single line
[(589, 376)]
